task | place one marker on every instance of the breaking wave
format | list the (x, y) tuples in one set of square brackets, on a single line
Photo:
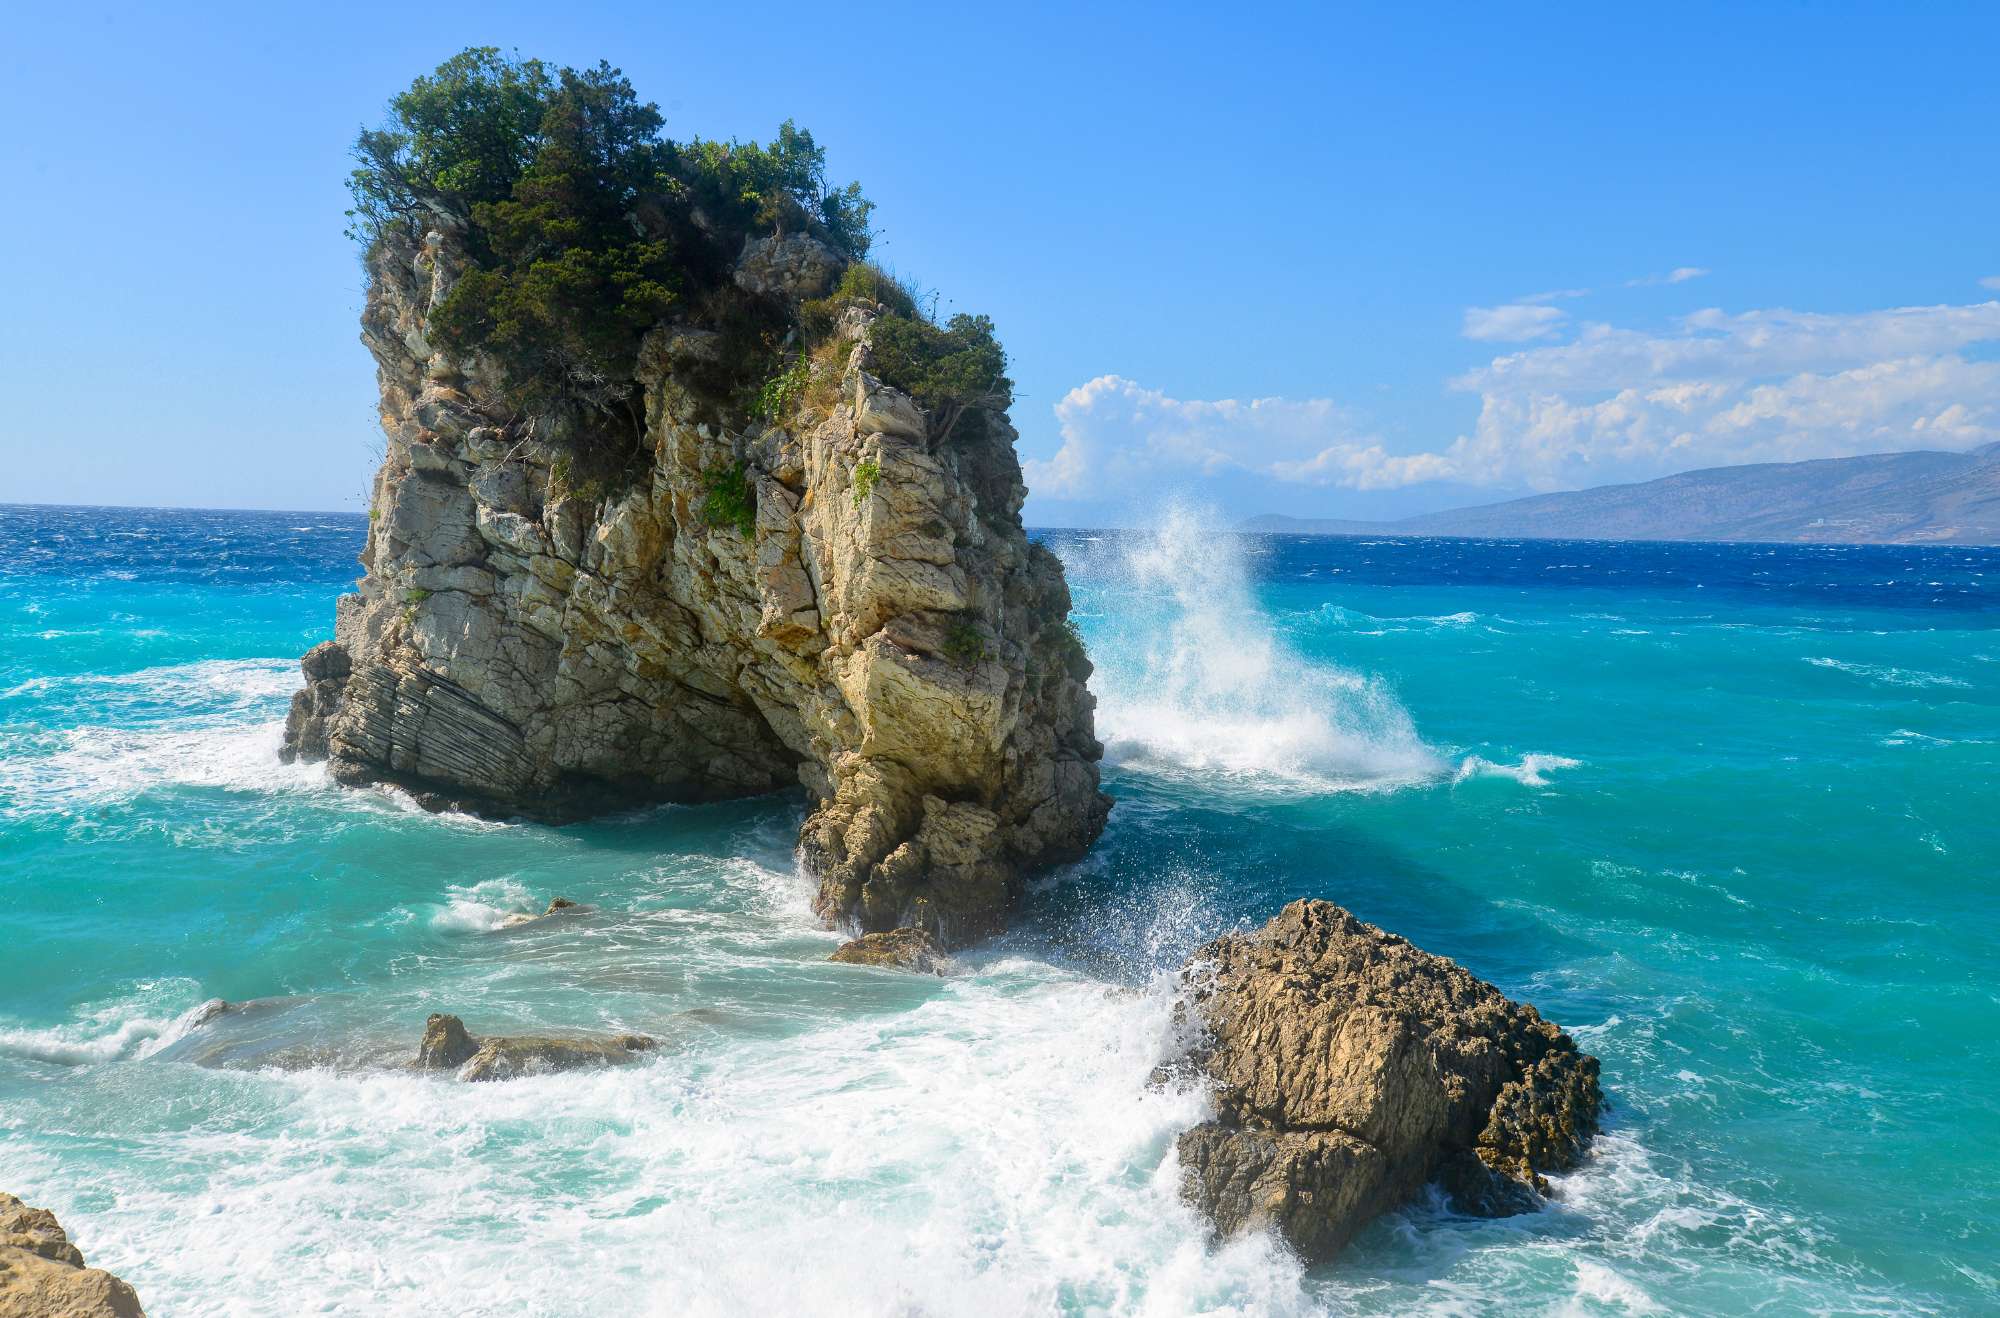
[(1193, 678)]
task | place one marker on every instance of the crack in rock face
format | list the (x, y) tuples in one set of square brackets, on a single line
[(527, 644), (1350, 1068)]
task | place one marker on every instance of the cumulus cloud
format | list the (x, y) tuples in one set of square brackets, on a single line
[(1720, 388), (1513, 323), (1715, 388), (1117, 433)]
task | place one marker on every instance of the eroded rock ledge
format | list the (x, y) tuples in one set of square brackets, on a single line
[(1351, 1068), (42, 1274), (876, 626)]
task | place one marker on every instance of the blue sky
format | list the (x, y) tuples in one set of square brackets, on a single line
[(1332, 261)]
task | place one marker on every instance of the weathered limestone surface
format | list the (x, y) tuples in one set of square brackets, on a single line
[(42, 1274), (1351, 1068), (892, 641), (447, 1047)]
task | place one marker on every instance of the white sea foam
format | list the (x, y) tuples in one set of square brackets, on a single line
[(79, 1045), (483, 907), (1532, 771), (138, 1026), (1889, 675), (216, 723), (993, 1149), (1193, 677), (94, 765), (1598, 1286)]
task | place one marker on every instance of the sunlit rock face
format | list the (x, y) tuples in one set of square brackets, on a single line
[(859, 612)]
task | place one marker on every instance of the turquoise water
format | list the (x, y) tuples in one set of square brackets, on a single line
[(1726, 812)]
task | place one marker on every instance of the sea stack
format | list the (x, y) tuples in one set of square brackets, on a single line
[(686, 585), (1351, 1068)]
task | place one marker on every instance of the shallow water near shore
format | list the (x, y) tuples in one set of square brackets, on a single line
[(1724, 811)]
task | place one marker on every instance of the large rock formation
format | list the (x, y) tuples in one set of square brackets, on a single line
[(42, 1274), (871, 622), (1351, 1068)]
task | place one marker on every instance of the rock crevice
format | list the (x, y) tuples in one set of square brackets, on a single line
[(868, 620)]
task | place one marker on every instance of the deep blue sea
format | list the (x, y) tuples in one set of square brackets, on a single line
[(1729, 813)]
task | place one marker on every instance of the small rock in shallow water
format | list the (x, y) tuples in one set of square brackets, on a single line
[(508, 1058), (42, 1275), (446, 1046), (1350, 1068), (897, 949), (557, 906)]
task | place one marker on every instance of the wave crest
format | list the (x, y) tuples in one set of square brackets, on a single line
[(1192, 675)]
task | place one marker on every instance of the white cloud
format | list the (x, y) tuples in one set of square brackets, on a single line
[(1718, 389), (1117, 433), (1513, 323), (1714, 389), (1992, 282), (1555, 295), (1680, 274)]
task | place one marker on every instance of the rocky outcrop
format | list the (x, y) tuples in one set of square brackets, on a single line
[(836, 598), (42, 1274), (897, 949), (1350, 1068), (556, 907), (447, 1047)]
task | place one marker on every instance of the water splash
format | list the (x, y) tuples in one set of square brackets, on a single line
[(1193, 679)]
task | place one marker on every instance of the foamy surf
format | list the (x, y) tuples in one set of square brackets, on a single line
[(1194, 681), (1888, 674), (1532, 771), (136, 1027)]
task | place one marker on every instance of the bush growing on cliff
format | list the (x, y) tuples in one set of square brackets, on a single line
[(949, 369), (730, 501), (782, 390), (579, 217)]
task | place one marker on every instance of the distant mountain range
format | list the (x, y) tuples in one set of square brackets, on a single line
[(1884, 498)]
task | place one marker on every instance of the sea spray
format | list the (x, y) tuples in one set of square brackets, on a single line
[(1193, 680)]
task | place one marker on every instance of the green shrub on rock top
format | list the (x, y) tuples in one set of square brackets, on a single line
[(582, 226), (578, 215)]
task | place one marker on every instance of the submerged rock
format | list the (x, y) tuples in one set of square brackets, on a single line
[(556, 907), (1350, 1068), (42, 1274), (446, 1046), (841, 598), (897, 949)]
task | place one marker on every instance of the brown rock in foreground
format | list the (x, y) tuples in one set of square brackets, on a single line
[(42, 1275), (1351, 1068), (896, 949), (446, 1046)]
